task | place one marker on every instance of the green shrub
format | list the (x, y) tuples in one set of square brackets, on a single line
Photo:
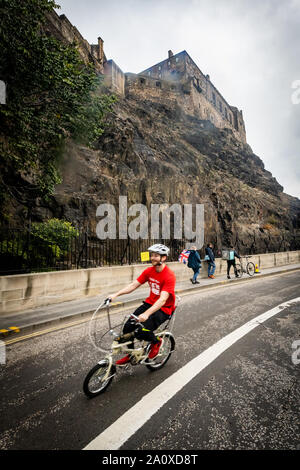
[(56, 232)]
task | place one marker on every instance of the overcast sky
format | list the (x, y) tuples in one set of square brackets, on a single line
[(250, 49)]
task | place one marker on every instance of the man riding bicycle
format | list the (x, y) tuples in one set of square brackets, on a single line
[(158, 306)]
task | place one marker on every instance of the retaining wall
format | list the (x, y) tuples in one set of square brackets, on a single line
[(26, 291)]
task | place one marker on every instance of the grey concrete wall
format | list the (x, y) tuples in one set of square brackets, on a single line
[(27, 291)]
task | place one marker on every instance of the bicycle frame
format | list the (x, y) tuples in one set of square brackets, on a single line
[(244, 266), (139, 355)]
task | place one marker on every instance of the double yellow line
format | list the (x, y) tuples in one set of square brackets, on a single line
[(53, 328)]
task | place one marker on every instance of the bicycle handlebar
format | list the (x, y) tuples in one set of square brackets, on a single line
[(135, 317)]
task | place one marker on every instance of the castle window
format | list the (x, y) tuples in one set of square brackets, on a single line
[(169, 63), (230, 118), (177, 59), (159, 75), (158, 84), (226, 114), (214, 98), (149, 73), (159, 68), (220, 106)]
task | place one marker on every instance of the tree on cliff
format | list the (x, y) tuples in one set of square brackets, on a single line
[(51, 96)]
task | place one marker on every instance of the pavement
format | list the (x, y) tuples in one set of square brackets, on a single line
[(32, 320)]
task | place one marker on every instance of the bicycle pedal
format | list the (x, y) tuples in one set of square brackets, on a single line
[(134, 362)]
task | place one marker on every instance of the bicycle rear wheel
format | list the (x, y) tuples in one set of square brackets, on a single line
[(164, 354), (95, 381), (250, 269)]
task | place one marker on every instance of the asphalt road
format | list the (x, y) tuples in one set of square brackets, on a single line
[(248, 398)]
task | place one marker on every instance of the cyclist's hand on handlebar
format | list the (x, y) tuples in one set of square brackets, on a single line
[(143, 317), (108, 300)]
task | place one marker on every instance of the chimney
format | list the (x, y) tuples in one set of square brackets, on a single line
[(100, 50), (170, 53)]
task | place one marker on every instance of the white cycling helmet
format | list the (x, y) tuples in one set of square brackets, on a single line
[(160, 249)]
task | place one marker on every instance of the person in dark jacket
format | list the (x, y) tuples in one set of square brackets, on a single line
[(211, 261), (231, 262), (194, 262)]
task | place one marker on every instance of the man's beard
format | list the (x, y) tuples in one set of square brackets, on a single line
[(156, 263)]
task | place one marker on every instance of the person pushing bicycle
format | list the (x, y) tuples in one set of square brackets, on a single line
[(158, 306)]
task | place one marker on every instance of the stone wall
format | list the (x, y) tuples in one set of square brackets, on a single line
[(160, 91), (61, 28)]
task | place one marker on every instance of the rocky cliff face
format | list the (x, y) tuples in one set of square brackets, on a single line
[(154, 153)]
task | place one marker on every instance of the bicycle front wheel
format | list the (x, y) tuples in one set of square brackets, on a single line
[(164, 354), (98, 379), (250, 269)]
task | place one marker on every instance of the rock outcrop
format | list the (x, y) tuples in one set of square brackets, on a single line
[(154, 153)]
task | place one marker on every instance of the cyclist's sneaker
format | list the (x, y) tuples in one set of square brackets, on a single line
[(212, 276), (123, 361), (228, 277), (154, 349)]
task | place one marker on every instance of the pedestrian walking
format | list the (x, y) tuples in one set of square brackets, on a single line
[(194, 262), (231, 262), (210, 257)]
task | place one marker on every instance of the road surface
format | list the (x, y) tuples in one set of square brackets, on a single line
[(247, 398)]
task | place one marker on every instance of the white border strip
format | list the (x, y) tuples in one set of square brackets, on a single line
[(130, 422)]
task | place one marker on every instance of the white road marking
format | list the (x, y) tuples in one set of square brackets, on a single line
[(130, 422)]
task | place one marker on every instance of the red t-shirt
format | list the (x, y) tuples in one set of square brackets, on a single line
[(165, 280)]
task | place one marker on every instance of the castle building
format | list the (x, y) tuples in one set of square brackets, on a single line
[(194, 91), (176, 80)]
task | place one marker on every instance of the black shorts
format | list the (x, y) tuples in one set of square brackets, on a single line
[(153, 322)]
